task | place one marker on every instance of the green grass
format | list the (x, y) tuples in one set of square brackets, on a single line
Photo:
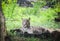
[(44, 18)]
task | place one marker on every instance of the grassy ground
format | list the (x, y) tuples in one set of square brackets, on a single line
[(17, 37), (39, 17)]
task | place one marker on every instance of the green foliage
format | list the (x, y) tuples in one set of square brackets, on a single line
[(39, 16)]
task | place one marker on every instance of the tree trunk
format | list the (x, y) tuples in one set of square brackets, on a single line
[(2, 24)]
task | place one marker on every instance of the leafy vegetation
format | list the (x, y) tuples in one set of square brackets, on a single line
[(40, 16)]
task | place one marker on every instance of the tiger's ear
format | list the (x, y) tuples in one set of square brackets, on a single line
[(29, 18)]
